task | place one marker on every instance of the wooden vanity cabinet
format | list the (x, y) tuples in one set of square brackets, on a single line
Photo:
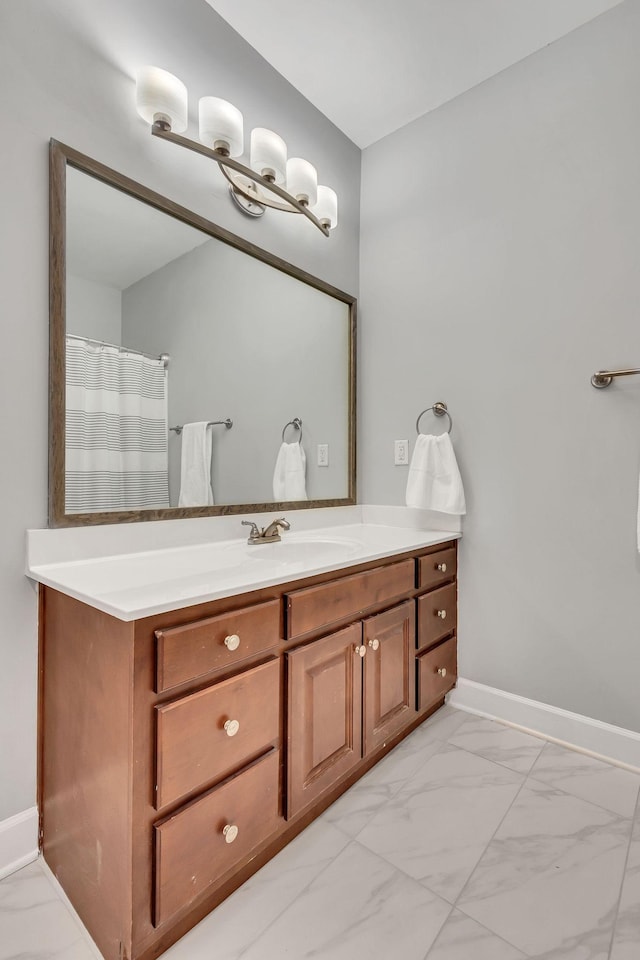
[(181, 751)]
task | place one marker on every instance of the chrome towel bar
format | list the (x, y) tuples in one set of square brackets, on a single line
[(604, 377), (212, 423)]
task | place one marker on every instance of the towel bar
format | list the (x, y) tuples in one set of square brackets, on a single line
[(440, 410), (604, 377), (212, 423)]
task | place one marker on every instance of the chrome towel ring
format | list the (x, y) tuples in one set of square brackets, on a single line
[(297, 423), (440, 410)]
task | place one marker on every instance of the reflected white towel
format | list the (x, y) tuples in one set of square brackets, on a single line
[(195, 469), (434, 481), (289, 473)]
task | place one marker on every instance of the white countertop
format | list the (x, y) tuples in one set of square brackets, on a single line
[(140, 583)]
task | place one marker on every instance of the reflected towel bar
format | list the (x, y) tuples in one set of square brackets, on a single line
[(604, 377), (212, 423)]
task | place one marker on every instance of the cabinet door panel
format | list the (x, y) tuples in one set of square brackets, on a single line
[(324, 715), (389, 674)]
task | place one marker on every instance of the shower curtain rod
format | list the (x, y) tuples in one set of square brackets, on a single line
[(103, 343)]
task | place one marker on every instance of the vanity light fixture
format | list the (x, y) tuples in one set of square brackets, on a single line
[(270, 180)]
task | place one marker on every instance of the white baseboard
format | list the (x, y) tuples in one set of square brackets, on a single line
[(18, 841), (602, 740)]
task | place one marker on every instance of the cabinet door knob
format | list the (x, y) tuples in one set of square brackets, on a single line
[(442, 567), (442, 671), (442, 614), (374, 644), (230, 832), (361, 650), (232, 642), (231, 728)]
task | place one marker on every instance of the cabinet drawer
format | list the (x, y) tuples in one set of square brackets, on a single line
[(437, 568), (193, 745), (316, 607), (192, 848), (195, 649), (437, 672), (437, 615)]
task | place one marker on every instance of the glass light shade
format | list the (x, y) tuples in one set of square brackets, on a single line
[(326, 209), (302, 180), (221, 125), (161, 96), (268, 154)]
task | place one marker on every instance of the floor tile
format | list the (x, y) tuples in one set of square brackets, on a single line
[(360, 906), (238, 922), (355, 808), (550, 878), (437, 826), (35, 924), (462, 938), (626, 939), (497, 742), (594, 780)]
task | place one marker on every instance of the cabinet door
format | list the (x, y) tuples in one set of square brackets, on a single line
[(324, 715), (389, 674)]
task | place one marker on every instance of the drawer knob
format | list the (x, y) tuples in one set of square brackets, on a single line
[(374, 644), (230, 832), (232, 642), (442, 567), (442, 614), (361, 650), (231, 728), (442, 671)]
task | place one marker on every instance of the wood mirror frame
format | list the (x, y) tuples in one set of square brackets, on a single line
[(62, 156)]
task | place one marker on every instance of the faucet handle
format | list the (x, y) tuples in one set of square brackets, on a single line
[(255, 532)]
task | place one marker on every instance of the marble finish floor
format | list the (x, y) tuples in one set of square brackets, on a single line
[(470, 841)]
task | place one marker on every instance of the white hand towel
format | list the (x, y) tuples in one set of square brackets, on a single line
[(195, 470), (434, 481), (289, 473)]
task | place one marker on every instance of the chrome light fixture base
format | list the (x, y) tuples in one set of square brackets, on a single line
[(259, 192)]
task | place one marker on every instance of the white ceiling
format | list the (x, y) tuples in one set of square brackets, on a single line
[(371, 66)]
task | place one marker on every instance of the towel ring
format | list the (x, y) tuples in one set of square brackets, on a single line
[(297, 423), (440, 410)]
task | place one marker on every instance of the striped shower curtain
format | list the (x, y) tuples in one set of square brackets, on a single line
[(116, 429)]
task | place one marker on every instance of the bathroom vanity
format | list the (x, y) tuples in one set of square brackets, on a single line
[(183, 748)]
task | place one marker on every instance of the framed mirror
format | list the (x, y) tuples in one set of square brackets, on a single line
[(191, 373)]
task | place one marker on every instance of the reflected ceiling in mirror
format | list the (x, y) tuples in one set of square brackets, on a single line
[(161, 320)]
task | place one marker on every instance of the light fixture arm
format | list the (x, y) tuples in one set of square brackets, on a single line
[(226, 164)]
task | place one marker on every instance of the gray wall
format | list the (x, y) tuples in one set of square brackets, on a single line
[(94, 310), (499, 252), (248, 342), (66, 70)]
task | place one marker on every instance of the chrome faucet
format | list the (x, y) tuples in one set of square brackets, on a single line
[(270, 534)]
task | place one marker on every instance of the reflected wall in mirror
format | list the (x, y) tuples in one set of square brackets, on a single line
[(160, 320)]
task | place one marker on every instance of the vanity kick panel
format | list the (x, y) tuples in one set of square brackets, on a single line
[(314, 608), (194, 745), (197, 845), (195, 649)]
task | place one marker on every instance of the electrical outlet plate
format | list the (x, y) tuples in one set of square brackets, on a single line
[(401, 452), (323, 454)]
